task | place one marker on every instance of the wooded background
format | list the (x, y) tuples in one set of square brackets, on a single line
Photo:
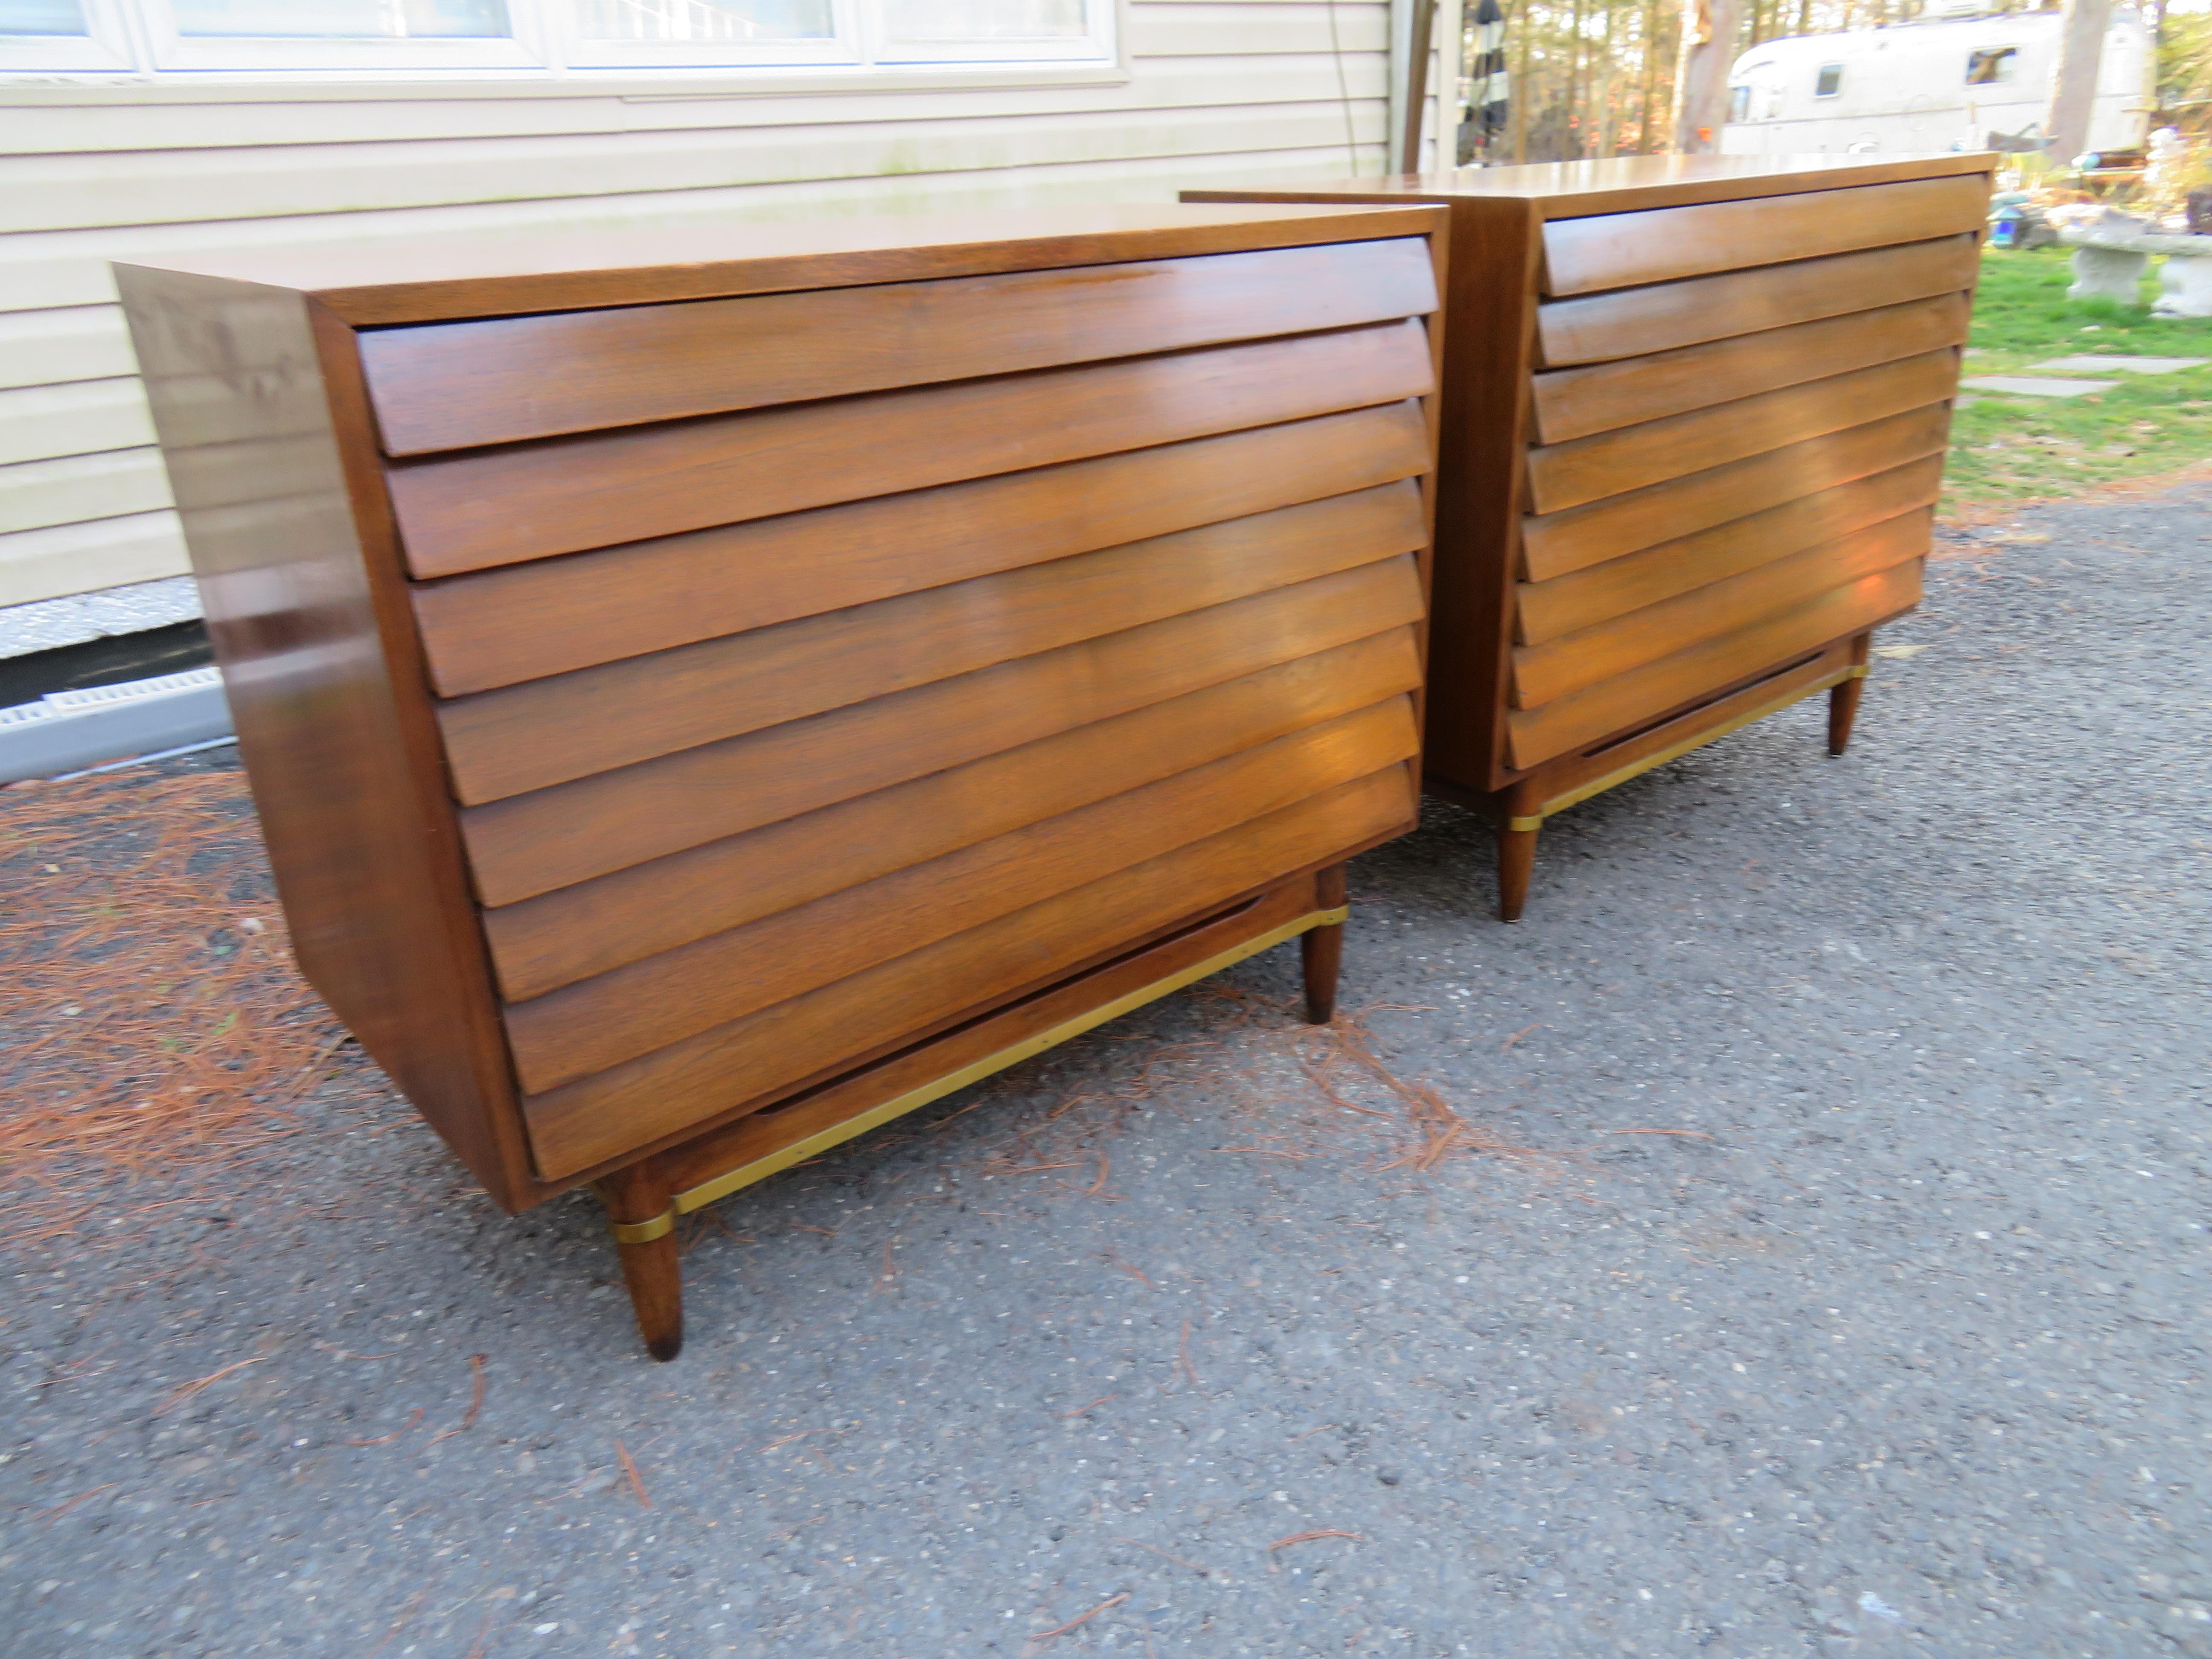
[(1596, 77)]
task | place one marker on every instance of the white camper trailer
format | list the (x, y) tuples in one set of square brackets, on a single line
[(1952, 80)]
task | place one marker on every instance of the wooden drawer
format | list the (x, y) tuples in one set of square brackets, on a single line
[(663, 999), (591, 720), (460, 386), (686, 1081), (1637, 321), (1567, 475), (1554, 544), (523, 622), (1574, 403), (541, 943), (1660, 244), (1622, 703), (1581, 598), (1561, 668), (552, 838)]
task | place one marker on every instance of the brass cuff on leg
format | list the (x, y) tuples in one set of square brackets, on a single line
[(644, 1232)]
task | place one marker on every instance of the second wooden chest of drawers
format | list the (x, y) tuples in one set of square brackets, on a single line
[(1695, 413)]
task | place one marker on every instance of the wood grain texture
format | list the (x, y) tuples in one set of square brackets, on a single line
[(689, 1082), (1574, 403), (1567, 475), (555, 837), (648, 1004), (1624, 701), (1585, 598), (458, 386), (259, 410), (815, 1106), (559, 938), (1657, 245), (1616, 183), (1557, 780), (553, 730), (428, 279), (1635, 321), (563, 495), (1563, 667), (1556, 543), (523, 622)]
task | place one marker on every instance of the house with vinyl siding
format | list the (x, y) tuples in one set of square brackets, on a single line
[(150, 128)]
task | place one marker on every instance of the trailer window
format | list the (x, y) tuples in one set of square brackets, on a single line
[(1991, 65), (1831, 81)]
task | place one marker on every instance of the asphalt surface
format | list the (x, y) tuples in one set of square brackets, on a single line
[(1817, 1266)]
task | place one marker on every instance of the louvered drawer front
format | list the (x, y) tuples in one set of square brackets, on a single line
[(1663, 245), (818, 668), (1722, 466)]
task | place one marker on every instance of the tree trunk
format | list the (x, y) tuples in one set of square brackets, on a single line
[(1647, 126), (1708, 30), (2073, 89)]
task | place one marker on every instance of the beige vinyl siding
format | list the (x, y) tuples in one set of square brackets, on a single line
[(1219, 92)]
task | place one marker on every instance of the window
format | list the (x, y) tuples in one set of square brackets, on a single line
[(542, 37), (60, 35), (1739, 104), (1830, 81), (1992, 66)]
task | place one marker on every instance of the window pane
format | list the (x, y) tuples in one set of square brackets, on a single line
[(706, 19), (346, 20), (41, 17), (1991, 65), (983, 20), (1830, 81)]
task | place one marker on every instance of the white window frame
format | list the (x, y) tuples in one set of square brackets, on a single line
[(546, 51), (1095, 43), (844, 48), (245, 53), (105, 48)]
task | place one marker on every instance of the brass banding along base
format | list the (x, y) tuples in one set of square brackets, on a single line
[(1643, 763), (745, 1175)]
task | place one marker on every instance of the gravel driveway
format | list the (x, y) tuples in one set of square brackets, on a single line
[(1789, 1240)]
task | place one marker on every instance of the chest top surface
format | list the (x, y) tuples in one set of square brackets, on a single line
[(438, 279), (1569, 190)]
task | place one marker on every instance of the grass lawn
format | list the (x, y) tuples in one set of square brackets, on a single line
[(2015, 449)]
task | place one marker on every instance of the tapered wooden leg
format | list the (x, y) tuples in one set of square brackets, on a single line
[(644, 1223), (1842, 710), (1516, 861), (1322, 949), (1518, 822), (1843, 699)]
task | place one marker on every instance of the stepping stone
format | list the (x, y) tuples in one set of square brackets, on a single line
[(2123, 365), (2021, 386)]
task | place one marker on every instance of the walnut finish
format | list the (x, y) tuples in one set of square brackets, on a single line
[(703, 706), (1695, 414)]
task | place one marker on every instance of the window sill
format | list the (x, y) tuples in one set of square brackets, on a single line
[(19, 88)]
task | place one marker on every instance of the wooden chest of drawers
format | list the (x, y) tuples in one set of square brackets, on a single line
[(707, 696), (1695, 411)]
